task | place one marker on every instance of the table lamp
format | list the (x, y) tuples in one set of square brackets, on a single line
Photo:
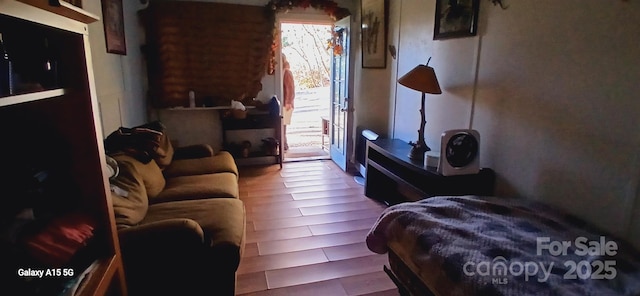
[(423, 79)]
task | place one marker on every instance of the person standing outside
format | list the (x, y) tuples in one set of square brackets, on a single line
[(289, 94)]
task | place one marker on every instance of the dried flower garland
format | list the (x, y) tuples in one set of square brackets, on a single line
[(331, 8)]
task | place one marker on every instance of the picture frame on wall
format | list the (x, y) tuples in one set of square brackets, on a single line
[(374, 33), (456, 18), (113, 21)]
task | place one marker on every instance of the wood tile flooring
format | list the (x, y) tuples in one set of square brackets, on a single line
[(306, 225)]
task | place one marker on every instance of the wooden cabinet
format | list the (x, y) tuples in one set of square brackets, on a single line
[(392, 177), (53, 156)]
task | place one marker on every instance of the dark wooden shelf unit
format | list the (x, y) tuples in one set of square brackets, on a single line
[(52, 151), (255, 120), (392, 177)]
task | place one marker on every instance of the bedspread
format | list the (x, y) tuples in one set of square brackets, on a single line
[(472, 245)]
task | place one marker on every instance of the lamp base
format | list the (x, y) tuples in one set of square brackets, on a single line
[(418, 150)]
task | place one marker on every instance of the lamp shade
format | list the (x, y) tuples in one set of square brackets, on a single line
[(421, 78)]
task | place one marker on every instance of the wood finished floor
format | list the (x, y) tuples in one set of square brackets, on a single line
[(306, 225)]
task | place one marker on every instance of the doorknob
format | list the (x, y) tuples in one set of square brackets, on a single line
[(343, 110)]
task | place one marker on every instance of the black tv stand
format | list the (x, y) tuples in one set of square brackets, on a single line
[(392, 177)]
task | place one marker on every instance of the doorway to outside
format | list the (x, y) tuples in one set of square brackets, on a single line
[(305, 47)]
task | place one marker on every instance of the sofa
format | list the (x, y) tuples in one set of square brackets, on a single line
[(180, 222)]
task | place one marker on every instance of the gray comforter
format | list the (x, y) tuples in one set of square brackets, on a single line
[(472, 245)]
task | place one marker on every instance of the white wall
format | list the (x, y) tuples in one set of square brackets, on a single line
[(556, 101), (453, 62), (120, 79), (372, 108)]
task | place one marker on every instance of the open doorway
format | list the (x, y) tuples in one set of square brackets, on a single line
[(306, 133)]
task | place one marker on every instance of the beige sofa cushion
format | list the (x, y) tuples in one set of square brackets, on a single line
[(221, 162), (129, 196), (198, 187), (150, 173), (222, 221)]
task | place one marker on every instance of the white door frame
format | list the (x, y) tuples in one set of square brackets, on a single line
[(311, 16)]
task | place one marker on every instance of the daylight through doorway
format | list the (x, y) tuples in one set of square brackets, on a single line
[(305, 47)]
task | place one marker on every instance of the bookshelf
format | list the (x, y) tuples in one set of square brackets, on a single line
[(53, 157)]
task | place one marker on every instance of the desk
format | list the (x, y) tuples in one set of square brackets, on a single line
[(392, 177)]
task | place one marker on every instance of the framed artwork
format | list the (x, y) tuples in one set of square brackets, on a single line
[(114, 26), (456, 18), (374, 33)]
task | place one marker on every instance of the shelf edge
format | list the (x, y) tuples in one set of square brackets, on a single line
[(64, 9), (31, 97)]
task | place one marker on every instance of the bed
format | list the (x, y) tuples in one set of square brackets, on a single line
[(475, 245)]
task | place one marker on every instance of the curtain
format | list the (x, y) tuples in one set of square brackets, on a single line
[(218, 50)]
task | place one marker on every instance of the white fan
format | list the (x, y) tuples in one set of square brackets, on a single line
[(459, 152)]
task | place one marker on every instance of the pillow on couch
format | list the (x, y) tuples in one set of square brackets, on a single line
[(129, 196), (149, 173)]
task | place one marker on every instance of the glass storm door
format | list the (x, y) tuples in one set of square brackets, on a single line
[(340, 93)]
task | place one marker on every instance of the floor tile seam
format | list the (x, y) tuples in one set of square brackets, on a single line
[(263, 240), (331, 275), (250, 216), (326, 259), (319, 238), (295, 190), (354, 212), (337, 211), (283, 206), (273, 227)]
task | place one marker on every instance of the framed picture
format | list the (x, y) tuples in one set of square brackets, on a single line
[(456, 18), (114, 26), (374, 33)]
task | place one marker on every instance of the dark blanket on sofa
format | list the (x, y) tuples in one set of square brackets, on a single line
[(471, 245)]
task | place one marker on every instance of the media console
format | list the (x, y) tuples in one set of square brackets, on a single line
[(392, 177)]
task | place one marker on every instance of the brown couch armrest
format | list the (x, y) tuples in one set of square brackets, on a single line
[(157, 256), (193, 151), (181, 231)]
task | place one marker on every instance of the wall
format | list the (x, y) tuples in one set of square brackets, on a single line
[(555, 100), (121, 82), (566, 101), (453, 61), (120, 79), (372, 108)]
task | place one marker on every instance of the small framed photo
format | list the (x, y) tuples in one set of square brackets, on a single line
[(456, 18), (374, 33), (113, 20)]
